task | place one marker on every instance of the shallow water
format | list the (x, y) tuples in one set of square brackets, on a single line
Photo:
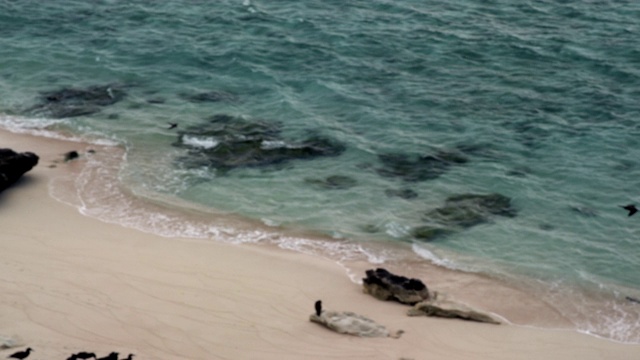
[(539, 98)]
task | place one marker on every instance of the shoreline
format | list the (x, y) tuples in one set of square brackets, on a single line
[(72, 282)]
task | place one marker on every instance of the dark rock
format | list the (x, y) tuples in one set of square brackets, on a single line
[(71, 155), (423, 168), (71, 102), (384, 285), (406, 194), (468, 210), (226, 142), (440, 306), (13, 165), (335, 182)]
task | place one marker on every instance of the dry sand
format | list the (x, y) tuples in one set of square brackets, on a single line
[(70, 282)]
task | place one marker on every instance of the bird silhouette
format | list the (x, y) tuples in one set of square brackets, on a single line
[(172, 126), (318, 307), (630, 208), (83, 355), (130, 357), (112, 356), (20, 354)]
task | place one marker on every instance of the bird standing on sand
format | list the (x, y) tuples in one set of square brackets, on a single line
[(83, 355), (130, 357), (21, 354), (112, 356), (630, 208), (318, 307)]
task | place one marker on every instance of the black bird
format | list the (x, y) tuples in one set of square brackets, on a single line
[(21, 354), (631, 208), (318, 307), (172, 126), (130, 357), (84, 355), (112, 356)]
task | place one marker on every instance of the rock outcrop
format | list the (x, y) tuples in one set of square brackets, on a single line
[(13, 165), (384, 285), (440, 306)]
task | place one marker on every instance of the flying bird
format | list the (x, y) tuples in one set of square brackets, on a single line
[(172, 126), (318, 307), (631, 208), (21, 354)]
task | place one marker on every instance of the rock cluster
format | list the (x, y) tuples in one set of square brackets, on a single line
[(226, 142), (72, 102), (13, 165), (384, 285)]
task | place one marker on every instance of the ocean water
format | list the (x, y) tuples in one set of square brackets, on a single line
[(419, 101)]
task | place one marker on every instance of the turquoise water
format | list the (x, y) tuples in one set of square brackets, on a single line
[(539, 98)]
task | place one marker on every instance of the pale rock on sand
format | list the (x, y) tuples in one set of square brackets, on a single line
[(347, 322), (441, 306), (7, 342)]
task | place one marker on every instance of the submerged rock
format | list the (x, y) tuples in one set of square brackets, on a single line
[(384, 285), (347, 322), (210, 96), (429, 233), (462, 212), (334, 182), (423, 168), (71, 102), (406, 194), (468, 210), (13, 165), (440, 306), (227, 142)]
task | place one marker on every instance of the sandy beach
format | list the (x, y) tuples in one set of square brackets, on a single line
[(72, 283)]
